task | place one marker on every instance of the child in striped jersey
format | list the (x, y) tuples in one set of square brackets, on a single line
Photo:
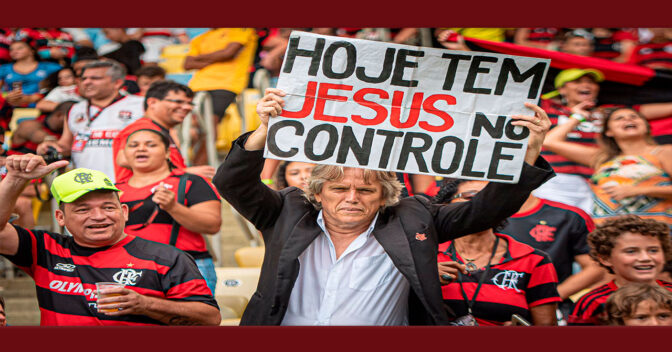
[(634, 250), (640, 305)]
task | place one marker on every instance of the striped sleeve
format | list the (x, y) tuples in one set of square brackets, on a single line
[(25, 257), (184, 282), (543, 285)]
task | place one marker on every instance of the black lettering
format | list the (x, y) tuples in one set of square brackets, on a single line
[(387, 146), (273, 130), (452, 69), (474, 70), (510, 132), (349, 142), (497, 156), (401, 63), (312, 136), (350, 61), (509, 66), (384, 74), (408, 148), (293, 51), (469, 160), (482, 122), (438, 155)]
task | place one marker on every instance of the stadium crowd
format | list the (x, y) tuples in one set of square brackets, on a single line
[(582, 239)]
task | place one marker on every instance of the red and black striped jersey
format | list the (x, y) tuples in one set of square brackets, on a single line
[(542, 35), (524, 278), (65, 274), (590, 308), (141, 206), (558, 114), (558, 229)]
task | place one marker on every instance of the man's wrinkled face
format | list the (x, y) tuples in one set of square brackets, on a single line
[(350, 203), (96, 84)]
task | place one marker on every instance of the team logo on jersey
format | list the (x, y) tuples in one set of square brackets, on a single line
[(507, 280), (125, 115), (65, 267), (543, 232), (83, 177), (127, 276)]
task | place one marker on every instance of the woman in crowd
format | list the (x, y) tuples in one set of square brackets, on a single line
[(167, 205), (632, 173), (488, 277), (21, 79), (293, 174), (640, 305), (633, 250), (64, 90)]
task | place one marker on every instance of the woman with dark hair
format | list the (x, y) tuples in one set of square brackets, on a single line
[(167, 205), (632, 172), (21, 79), (62, 87), (293, 174), (489, 277)]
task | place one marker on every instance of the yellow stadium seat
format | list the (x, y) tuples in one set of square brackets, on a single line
[(249, 257), (21, 114), (235, 281)]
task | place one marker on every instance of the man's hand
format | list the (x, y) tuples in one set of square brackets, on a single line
[(539, 124), (30, 166), (448, 271), (270, 105), (164, 198), (124, 302), (44, 146)]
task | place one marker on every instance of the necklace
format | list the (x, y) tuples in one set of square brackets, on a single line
[(470, 265)]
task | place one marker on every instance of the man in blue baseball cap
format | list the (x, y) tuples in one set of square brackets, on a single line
[(161, 285)]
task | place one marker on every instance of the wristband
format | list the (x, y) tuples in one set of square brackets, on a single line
[(579, 117), (267, 181)]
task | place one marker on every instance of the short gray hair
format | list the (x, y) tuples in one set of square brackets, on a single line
[(114, 69), (323, 173)]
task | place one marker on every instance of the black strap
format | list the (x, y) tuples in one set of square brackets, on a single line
[(470, 303), (181, 194)]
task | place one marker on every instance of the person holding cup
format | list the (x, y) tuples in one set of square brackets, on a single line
[(161, 285)]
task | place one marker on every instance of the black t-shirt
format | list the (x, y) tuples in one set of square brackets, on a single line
[(555, 228), (129, 55)]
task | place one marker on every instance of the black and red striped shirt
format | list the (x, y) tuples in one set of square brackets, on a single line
[(65, 274), (523, 278), (139, 201), (590, 308), (558, 229)]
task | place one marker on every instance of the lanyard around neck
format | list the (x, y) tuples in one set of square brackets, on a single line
[(88, 109), (453, 253)]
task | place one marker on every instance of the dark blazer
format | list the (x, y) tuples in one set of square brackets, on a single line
[(288, 224)]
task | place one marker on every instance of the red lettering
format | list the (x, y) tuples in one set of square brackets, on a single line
[(323, 95), (428, 106), (307, 103), (413, 113), (381, 112)]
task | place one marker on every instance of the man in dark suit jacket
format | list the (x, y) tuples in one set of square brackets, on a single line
[(311, 237)]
